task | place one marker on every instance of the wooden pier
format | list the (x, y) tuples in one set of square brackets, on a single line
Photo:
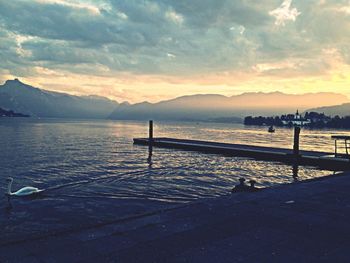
[(323, 160)]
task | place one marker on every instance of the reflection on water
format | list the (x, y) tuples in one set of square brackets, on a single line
[(295, 170), (50, 153), (150, 153), (92, 171)]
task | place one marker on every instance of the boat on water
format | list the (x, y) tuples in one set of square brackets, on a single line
[(271, 129)]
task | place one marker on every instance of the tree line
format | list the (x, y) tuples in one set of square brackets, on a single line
[(315, 120)]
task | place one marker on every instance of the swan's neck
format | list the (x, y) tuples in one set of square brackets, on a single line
[(9, 188)]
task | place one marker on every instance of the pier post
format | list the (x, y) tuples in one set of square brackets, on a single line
[(296, 140), (150, 142), (150, 132)]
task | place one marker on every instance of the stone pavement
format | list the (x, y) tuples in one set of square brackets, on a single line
[(306, 221)]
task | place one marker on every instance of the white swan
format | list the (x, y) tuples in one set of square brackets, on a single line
[(25, 191)]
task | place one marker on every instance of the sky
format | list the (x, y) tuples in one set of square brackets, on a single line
[(137, 50)]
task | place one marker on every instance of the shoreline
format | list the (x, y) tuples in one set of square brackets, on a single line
[(199, 230)]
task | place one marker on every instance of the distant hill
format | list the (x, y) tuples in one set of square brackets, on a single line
[(10, 113), (341, 110), (19, 97), (210, 106)]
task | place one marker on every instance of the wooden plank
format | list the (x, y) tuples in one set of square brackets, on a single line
[(340, 137)]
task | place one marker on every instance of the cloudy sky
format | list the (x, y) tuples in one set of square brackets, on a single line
[(140, 50)]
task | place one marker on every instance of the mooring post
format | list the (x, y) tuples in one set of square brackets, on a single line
[(296, 141), (150, 142), (150, 134)]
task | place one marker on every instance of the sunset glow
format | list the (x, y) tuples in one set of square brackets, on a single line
[(155, 50)]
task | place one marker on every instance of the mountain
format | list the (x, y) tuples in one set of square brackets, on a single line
[(341, 110), (19, 97), (211, 106)]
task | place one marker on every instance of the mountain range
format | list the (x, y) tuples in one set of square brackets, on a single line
[(23, 98), (19, 97), (213, 107), (341, 110)]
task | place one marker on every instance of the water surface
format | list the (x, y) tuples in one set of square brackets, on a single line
[(95, 173)]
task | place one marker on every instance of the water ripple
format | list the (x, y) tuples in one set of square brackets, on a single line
[(96, 159)]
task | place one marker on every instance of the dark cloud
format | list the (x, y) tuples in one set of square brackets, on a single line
[(166, 36)]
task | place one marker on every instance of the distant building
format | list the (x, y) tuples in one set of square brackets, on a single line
[(295, 120)]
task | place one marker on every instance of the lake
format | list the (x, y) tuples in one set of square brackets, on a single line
[(93, 173)]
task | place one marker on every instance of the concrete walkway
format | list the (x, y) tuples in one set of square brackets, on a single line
[(302, 222)]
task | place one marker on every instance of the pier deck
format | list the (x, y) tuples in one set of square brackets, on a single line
[(323, 160)]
